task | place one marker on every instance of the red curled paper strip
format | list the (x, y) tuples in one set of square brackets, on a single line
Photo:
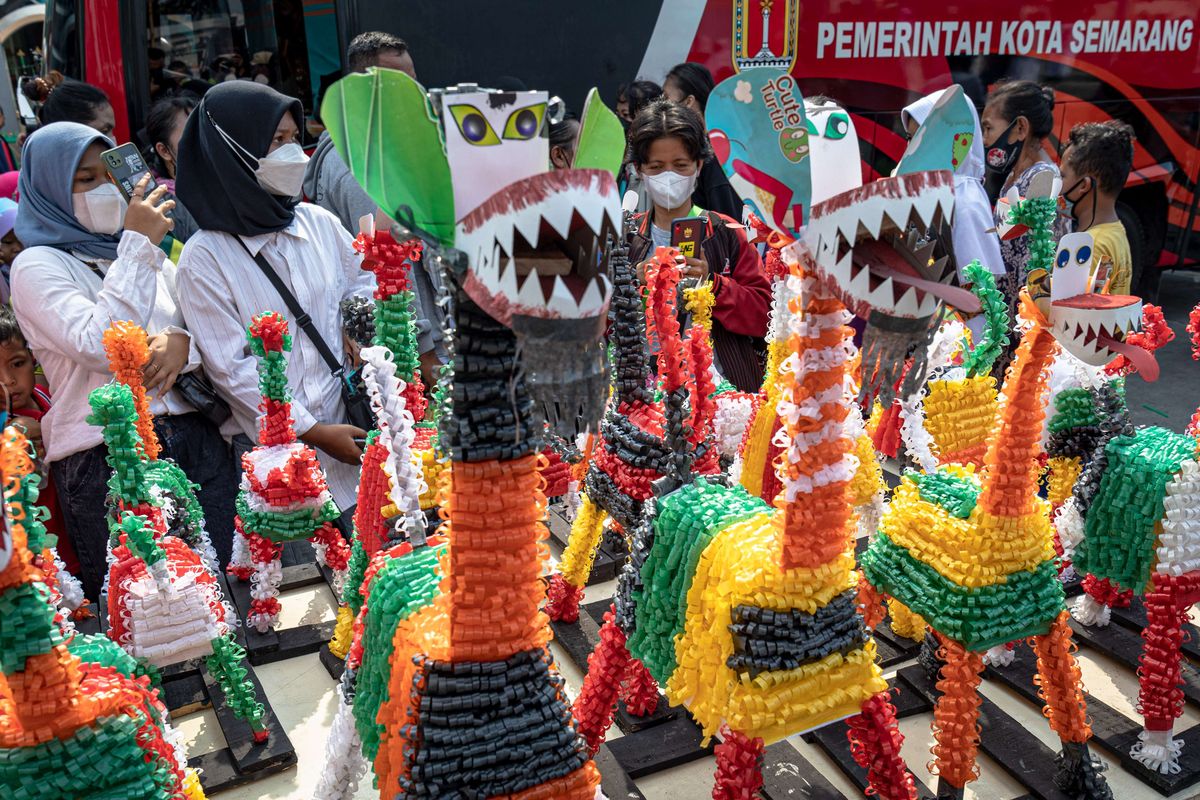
[(870, 603), (956, 715), (1160, 698), (1154, 333), (739, 767), (639, 691), (875, 742), (1106, 592), (597, 701), (562, 599)]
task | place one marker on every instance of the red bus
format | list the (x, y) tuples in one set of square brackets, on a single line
[(1120, 59)]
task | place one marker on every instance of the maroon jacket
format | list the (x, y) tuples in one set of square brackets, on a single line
[(743, 297)]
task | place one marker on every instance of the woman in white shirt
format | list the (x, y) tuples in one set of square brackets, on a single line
[(239, 172), (92, 259)]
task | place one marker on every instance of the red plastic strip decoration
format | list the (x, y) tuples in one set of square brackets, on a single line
[(739, 767), (875, 742)]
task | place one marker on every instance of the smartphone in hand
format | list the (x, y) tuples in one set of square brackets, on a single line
[(126, 167), (686, 235)]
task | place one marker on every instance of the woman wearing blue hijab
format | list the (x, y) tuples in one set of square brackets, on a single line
[(92, 259)]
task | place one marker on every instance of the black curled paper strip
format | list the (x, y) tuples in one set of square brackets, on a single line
[(1079, 773), (634, 446), (1077, 442), (493, 413), (627, 331), (358, 320), (1114, 422), (603, 491), (489, 729), (768, 640), (629, 580)]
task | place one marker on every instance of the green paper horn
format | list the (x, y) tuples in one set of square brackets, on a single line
[(389, 137), (601, 140)]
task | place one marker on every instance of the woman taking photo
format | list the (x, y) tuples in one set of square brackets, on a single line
[(240, 172), (91, 258), (668, 146)]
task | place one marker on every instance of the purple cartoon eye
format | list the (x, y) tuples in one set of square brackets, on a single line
[(474, 127)]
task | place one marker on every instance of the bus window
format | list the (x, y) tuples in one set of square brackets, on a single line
[(64, 40), (192, 45)]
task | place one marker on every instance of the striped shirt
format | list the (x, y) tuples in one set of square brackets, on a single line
[(221, 289)]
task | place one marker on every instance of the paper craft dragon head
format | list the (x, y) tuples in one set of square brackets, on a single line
[(880, 247), (1089, 325), (468, 168)]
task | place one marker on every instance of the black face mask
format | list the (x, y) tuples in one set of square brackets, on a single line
[(998, 160), (1072, 206)]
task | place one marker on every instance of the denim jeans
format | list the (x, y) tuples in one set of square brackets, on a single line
[(81, 480)]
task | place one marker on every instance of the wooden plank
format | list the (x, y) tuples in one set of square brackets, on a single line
[(614, 780), (333, 665), (1111, 729), (185, 694), (251, 757), (661, 747), (787, 775)]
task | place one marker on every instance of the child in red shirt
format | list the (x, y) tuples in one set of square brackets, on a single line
[(26, 403)]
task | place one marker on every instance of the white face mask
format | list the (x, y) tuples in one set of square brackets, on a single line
[(282, 170), (101, 210), (670, 189)]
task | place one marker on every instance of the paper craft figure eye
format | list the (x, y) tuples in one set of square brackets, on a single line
[(1064, 256), (1084, 255), (473, 125), (525, 123), (837, 127)]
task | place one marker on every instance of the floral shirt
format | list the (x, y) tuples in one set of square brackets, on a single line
[(1015, 252)]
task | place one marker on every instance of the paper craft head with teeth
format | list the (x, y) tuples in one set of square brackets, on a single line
[(872, 245), (1090, 326), (466, 168)]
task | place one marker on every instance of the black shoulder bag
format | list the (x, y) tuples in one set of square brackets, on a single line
[(358, 405)]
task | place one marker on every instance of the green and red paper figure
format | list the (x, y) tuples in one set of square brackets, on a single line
[(284, 496)]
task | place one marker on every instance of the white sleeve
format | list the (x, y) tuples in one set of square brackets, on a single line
[(56, 315), (206, 300)]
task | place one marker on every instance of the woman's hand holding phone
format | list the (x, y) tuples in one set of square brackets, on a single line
[(148, 215)]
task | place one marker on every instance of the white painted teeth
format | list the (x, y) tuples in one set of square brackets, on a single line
[(530, 293)]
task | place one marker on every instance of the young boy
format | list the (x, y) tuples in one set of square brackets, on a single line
[(1094, 165), (26, 403)]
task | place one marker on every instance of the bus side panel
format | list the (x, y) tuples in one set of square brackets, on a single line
[(104, 66)]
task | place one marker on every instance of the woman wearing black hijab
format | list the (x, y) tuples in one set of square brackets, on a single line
[(690, 84), (240, 169)]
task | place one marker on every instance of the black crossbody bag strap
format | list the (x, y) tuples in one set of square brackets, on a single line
[(302, 318)]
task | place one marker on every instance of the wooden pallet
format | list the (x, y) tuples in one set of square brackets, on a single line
[(649, 744), (299, 570), (242, 760), (1112, 730)]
